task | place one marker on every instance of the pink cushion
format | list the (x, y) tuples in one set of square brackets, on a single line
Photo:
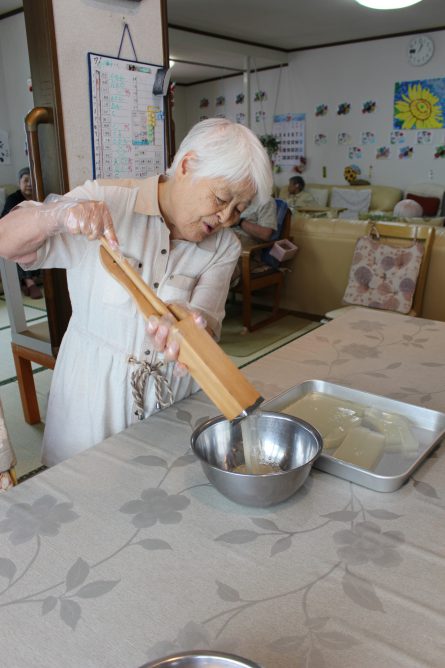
[(383, 276), (430, 205)]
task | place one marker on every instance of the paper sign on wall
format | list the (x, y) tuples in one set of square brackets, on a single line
[(127, 120), (288, 129)]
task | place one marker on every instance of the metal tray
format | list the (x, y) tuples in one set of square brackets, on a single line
[(393, 469)]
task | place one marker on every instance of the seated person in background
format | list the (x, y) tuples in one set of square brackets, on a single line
[(256, 223), (408, 208), (297, 197), (27, 278)]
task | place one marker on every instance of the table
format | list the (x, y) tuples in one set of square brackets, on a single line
[(334, 211), (125, 553)]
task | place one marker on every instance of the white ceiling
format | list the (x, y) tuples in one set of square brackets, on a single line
[(280, 25)]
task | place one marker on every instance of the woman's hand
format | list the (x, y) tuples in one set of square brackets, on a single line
[(159, 329), (90, 218)]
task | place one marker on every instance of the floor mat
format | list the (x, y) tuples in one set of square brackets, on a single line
[(239, 344)]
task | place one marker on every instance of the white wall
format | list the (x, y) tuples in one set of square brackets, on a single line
[(15, 99), (351, 73), (96, 25), (81, 26)]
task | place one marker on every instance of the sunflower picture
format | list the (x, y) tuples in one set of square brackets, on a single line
[(419, 104)]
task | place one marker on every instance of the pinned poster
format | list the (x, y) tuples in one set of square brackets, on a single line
[(343, 138), (424, 136), (397, 137), (355, 153), (368, 138), (320, 139), (383, 153), (5, 155), (406, 152)]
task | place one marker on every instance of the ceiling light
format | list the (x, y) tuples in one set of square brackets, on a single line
[(387, 4)]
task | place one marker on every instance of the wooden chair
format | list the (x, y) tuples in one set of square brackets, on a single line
[(398, 234), (272, 277)]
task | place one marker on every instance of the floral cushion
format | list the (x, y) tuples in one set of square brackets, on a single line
[(383, 276)]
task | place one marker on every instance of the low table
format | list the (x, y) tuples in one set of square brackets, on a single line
[(319, 209)]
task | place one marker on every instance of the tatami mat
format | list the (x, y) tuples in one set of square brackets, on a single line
[(244, 347)]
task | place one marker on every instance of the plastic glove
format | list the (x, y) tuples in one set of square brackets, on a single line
[(87, 217), (159, 330)]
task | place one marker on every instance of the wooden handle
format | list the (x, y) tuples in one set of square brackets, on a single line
[(158, 305), (212, 369), (143, 305)]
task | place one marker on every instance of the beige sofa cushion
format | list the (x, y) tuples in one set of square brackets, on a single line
[(319, 194)]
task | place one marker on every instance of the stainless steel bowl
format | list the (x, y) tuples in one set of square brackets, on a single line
[(202, 660), (288, 443)]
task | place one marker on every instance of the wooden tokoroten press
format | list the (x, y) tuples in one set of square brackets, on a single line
[(212, 369)]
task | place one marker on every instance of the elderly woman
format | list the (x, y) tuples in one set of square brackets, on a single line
[(174, 229)]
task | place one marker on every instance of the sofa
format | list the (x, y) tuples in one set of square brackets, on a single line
[(380, 202), (382, 198), (319, 273)]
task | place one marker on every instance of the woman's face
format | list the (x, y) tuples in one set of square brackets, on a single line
[(200, 207), (25, 186)]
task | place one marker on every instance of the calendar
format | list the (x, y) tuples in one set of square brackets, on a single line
[(289, 131), (127, 120)]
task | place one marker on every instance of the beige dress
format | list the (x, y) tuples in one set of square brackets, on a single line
[(7, 456), (91, 395)]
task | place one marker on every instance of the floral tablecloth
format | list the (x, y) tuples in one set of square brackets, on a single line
[(125, 553)]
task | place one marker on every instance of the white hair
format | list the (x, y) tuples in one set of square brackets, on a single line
[(408, 208), (222, 149)]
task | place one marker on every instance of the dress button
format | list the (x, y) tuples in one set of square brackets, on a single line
[(163, 251), (156, 285)]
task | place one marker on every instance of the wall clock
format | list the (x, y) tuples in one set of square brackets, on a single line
[(420, 50)]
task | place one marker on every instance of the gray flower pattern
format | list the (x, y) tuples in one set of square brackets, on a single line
[(361, 351), (367, 326), (155, 505), (366, 542), (44, 517)]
